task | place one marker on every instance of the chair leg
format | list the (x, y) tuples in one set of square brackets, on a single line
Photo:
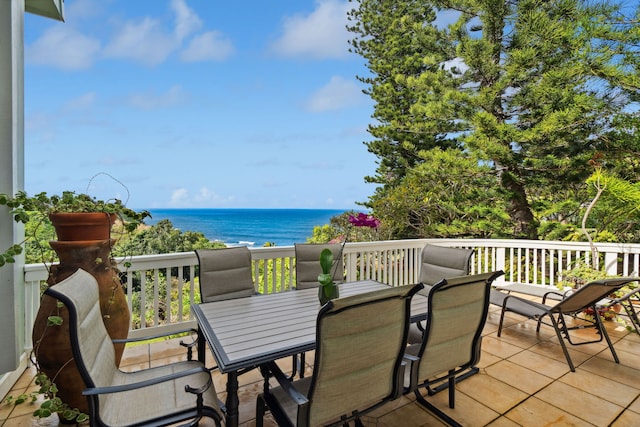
[(501, 320), (556, 327), (437, 412), (472, 371), (294, 367), (452, 390), (260, 404), (605, 334), (298, 364), (303, 363)]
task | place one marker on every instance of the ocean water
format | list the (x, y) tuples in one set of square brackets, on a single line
[(248, 227)]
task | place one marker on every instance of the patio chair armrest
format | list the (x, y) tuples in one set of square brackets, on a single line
[(412, 361), (285, 383), (155, 336), (400, 379), (522, 300), (188, 345), (146, 383), (561, 295)]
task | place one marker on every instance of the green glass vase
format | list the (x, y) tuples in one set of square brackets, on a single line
[(327, 292)]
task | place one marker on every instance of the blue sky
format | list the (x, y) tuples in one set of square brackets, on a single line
[(198, 103)]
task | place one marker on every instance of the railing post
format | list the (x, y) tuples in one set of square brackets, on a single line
[(351, 267), (500, 263), (611, 263)]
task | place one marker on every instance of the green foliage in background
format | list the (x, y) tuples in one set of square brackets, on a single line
[(538, 94)]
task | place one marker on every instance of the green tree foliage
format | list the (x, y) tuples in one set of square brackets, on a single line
[(447, 195), (615, 208), (162, 238), (534, 89), (393, 37)]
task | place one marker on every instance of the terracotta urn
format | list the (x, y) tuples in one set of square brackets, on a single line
[(51, 344)]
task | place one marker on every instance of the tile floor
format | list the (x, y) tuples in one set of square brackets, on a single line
[(524, 380)]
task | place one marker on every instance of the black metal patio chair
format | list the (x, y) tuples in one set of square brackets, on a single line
[(457, 312), (156, 396), (571, 307), (360, 342)]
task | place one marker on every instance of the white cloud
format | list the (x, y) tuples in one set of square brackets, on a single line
[(321, 34), (63, 47), (179, 197), (147, 40), (208, 46), (143, 41), (339, 93), (149, 101), (203, 198), (187, 22)]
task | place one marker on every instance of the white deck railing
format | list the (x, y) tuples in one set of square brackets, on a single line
[(394, 262)]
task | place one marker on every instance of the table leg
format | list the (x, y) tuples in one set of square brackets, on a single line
[(201, 346), (232, 399)]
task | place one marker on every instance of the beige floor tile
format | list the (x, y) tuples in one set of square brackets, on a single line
[(541, 364), (494, 394), (503, 422), (513, 366), (392, 406), (627, 419), (600, 386), (613, 371), (523, 334), (553, 350), (498, 347), (488, 359), (584, 405), (627, 358), (535, 413), (468, 411), (409, 415), (629, 346), (518, 376)]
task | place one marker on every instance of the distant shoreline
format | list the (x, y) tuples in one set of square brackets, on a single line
[(248, 226)]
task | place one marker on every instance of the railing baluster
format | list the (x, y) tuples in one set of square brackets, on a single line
[(393, 262)]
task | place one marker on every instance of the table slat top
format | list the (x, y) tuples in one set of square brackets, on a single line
[(246, 332)]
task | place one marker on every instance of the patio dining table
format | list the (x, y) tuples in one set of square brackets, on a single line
[(246, 332)]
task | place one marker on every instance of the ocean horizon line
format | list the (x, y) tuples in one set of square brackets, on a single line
[(248, 226)]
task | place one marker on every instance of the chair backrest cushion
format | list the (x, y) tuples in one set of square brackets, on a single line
[(457, 311), (439, 262), (225, 273), (308, 264), (91, 345), (360, 342)]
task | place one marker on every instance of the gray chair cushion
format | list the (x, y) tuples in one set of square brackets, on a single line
[(439, 262), (308, 264), (225, 273)]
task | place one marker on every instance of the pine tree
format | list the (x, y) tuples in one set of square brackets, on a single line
[(532, 88)]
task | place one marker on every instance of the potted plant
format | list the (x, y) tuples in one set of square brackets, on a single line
[(61, 210), (581, 274), (90, 251)]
